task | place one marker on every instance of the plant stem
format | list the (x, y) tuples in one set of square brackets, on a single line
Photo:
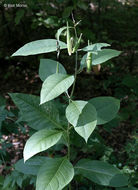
[(68, 134), (69, 127), (73, 88), (75, 76), (58, 53)]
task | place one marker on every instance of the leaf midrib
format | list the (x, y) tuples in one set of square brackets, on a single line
[(38, 142), (56, 173), (44, 115), (94, 171), (56, 84)]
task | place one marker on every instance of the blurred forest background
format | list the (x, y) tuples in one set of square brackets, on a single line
[(110, 21)]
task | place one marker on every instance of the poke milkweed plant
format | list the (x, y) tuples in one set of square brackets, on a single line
[(81, 116)]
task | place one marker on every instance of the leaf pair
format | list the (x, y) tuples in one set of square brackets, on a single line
[(51, 173), (48, 67), (58, 172), (84, 116), (54, 83)]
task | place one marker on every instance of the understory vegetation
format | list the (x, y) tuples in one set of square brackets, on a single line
[(69, 95)]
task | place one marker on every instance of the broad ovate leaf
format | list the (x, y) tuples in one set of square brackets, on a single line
[(37, 116), (104, 56), (95, 47), (106, 107), (39, 46), (40, 141), (54, 86), (83, 116), (101, 173), (54, 174), (101, 57), (31, 166), (48, 67)]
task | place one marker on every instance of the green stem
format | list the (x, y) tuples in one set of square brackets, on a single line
[(57, 69), (75, 76), (73, 88), (58, 53), (68, 134), (69, 127)]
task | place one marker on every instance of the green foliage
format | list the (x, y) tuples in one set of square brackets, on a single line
[(54, 174), (100, 56), (19, 16), (109, 21), (101, 173), (31, 166), (127, 188), (55, 85), (37, 117), (38, 47), (95, 47), (83, 117), (80, 116), (48, 67), (106, 107), (40, 141)]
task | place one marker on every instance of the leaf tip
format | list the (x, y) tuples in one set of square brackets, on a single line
[(13, 55), (86, 140), (41, 102), (25, 157)]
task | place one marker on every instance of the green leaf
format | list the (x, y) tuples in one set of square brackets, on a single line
[(37, 116), (2, 101), (55, 85), (104, 56), (106, 107), (7, 182), (127, 188), (1, 181), (3, 111), (95, 47), (82, 115), (3, 115), (82, 5), (101, 57), (67, 11), (20, 13), (40, 141), (39, 46), (48, 67), (59, 31), (101, 173), (55, 174), (31, 166)]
